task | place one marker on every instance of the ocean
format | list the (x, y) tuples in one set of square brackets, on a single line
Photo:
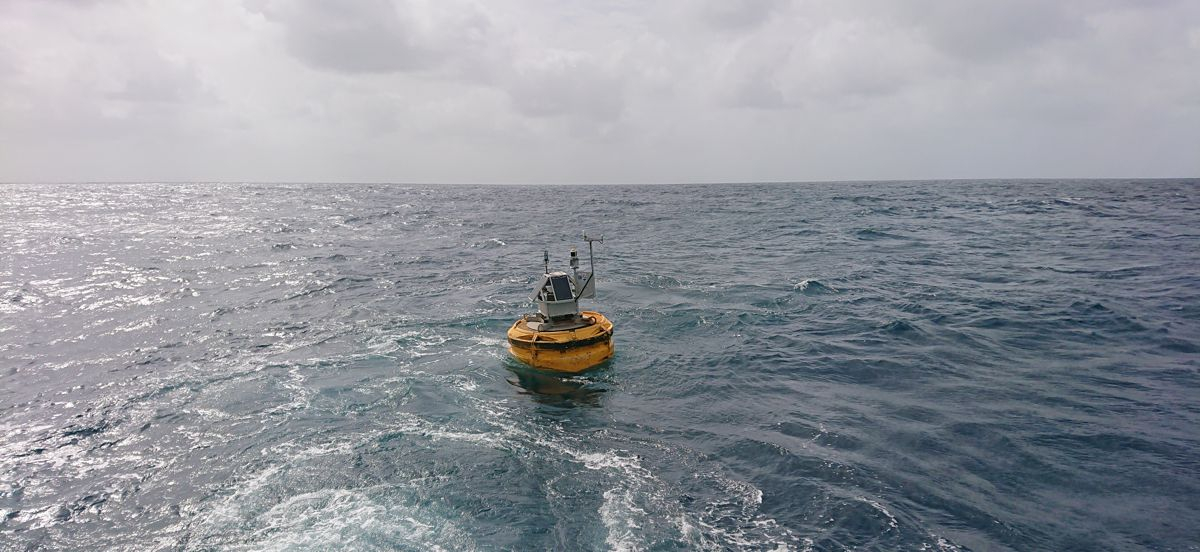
[(952, 365)]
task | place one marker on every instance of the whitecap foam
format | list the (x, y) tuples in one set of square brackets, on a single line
[(941, 545), (892, 523), (619, 515), (344, 518)]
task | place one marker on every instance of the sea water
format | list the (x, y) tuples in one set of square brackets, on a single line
[(975, 365)]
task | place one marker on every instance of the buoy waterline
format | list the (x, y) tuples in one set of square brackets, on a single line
[(561, 337)]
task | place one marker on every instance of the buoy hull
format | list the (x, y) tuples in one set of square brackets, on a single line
[(570, 351)]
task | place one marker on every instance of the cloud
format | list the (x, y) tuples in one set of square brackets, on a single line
[(448, 41), (540, 90), (560, 83), (737, 15), (151, 77), (842, 62), (983, 30), (84, 84), (380, 36), (365, 37)]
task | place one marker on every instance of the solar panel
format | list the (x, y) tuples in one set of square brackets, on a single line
[(562, 288)]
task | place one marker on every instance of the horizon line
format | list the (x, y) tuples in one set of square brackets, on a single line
[(680, 183)]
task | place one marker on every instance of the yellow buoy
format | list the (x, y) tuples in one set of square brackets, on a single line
[(559, 336), (564, 350)]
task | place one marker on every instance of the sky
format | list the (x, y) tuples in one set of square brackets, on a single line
[(598, 91)]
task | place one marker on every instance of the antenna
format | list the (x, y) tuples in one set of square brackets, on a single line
[(591, 258), (583, 290), (546, 259)]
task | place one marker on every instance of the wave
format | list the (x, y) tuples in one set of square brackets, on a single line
[(813, 288), (873, 234), (489, 244), (658, 281)]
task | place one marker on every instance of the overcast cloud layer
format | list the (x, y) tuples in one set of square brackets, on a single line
[(548, 91)]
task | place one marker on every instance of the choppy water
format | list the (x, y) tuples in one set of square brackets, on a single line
[(913, 366)]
